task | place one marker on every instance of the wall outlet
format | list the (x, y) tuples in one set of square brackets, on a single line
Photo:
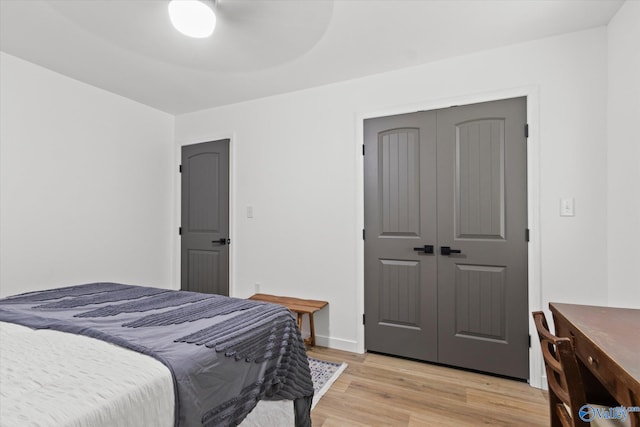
[(256, 288)]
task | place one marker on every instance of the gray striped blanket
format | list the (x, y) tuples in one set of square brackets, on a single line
[(225, 354)]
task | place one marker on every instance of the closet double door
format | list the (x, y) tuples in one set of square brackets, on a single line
[(446, 236)]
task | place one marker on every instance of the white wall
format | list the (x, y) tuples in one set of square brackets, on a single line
[(296, 161), (88, 187), (85, 184), (623, 142)]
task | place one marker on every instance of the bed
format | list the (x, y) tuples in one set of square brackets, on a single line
[(111, 354)]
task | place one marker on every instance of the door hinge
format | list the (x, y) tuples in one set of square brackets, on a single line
[(526, 234), (180, 231), (363, 319), (363, 149), (526, 130), (180, 168), (529, 341), (363, 236)]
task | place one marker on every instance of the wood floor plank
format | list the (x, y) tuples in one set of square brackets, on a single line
[(378, 390)]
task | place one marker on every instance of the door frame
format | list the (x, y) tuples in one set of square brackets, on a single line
[(177, 213), (536, 367)]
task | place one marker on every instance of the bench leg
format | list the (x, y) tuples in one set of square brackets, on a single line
[(312, 331), (299, 322), (311, 341)]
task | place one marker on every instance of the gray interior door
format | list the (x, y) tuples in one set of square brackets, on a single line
[(479, 293), (482, 212), (400, 226), (205, 217)]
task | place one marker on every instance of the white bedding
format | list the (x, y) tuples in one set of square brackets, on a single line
[(51, 378)]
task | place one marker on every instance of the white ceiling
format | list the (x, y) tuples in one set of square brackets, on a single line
[(266, 47)]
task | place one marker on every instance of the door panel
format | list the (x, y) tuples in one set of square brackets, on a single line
[(456, 179), (480, 308), (205, 217), (399, 175), (399, 293), (479, 184), (203, 199), (400, 300), (482, 291), (203, 267)]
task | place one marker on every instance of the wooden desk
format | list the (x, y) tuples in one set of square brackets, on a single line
[(300, 307), (607, 343)]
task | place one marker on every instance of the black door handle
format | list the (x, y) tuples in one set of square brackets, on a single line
[(221, 241), (427, 249), (446, 250)]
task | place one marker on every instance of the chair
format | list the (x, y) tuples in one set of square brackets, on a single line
[(566, 388)]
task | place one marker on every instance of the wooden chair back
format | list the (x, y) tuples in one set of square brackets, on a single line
[(566, 389)]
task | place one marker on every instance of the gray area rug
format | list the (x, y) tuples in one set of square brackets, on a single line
[(323, 374)]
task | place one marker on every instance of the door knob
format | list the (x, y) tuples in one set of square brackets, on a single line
[(446, 250), (427, 249), (222, 241)]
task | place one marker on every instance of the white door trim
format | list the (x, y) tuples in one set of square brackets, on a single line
[(536, 367), (177, 190)]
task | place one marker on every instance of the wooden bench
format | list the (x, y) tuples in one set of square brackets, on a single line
[(298, 306)]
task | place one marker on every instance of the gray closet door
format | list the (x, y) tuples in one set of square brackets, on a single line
[(205, 217), (455, 179), (482, 212), (400, 225)]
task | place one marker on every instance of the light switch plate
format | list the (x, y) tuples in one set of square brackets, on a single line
[(249, 211), (567, 206)]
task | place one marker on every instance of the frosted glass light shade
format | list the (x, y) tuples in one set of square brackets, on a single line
[(192, 18)]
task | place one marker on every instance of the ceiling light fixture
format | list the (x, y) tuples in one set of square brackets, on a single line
[(193, 18)]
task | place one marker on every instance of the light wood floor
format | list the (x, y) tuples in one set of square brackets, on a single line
[(378, 390)]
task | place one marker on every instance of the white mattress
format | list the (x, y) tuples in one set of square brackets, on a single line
[(51, 378)]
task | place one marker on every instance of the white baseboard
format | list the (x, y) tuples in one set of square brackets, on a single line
[(337, 343), (543, 383)]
